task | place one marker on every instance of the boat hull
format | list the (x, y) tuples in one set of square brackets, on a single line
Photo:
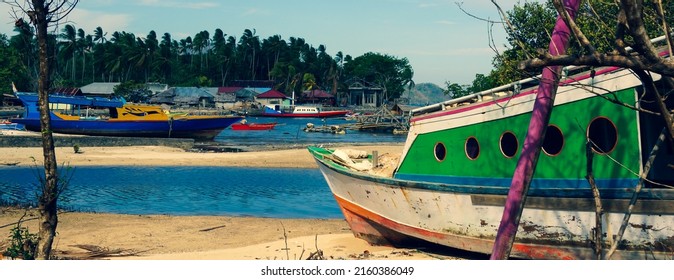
[(326, 114), (254, 126), (198, 128), (385, 210)]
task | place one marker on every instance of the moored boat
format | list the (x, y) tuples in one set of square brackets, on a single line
[(253, 126), (452, 179), (69, 115), (296, 111)]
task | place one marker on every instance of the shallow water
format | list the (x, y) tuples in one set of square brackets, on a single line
[(237, 191), (261, 192), (290, 130)]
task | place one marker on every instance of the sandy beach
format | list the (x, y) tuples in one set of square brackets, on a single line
[(163, 237)]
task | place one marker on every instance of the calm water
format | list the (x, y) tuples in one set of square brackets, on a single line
[(262, 192), (289, 130)]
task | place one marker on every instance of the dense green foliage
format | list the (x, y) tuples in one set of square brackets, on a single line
[(205, 59), (532, 23)]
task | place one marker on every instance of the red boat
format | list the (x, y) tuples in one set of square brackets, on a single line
[(253, 126)]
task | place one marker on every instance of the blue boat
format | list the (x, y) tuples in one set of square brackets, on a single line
[(70, 115)]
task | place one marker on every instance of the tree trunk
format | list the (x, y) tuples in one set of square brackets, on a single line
[(540, 117), (47, 201)]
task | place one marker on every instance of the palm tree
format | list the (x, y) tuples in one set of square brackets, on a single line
[(272, 48), (249, 46), (165, 55), (68, 47), (200, 43), (99, 36), (84, 45)]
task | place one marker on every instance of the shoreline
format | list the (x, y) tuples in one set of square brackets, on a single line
[(284, 157), (83, 235)]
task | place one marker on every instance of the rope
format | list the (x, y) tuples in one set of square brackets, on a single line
[(627, 168)]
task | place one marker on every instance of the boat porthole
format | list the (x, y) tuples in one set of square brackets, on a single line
[(554, 141), (440, 152), (603, 134), (472, 148), (509, 144)]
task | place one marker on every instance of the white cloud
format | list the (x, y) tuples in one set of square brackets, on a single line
[(182, 5), (88, 21)]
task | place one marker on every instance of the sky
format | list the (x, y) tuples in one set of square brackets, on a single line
[(441, 42)]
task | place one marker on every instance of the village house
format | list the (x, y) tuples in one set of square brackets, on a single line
[(272, 97), (185, 97), (317, 96), (364, 94)]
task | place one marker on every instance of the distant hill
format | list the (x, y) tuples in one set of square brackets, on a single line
[(425, 94)]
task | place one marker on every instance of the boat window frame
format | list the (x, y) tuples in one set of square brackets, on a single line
[(615, 128), (561, 148), (435, 151), (465, 148), (517, 144)]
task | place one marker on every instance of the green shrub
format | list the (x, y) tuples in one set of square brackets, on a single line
[(23, 244)]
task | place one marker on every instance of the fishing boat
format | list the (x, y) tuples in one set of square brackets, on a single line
[(452, 178), (71, 115), (253, 126), (297, 111)]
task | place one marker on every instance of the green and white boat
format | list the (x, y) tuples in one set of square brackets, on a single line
[(454, 173)]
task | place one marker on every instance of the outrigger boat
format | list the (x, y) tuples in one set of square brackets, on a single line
[(69, 116), (453, 175)]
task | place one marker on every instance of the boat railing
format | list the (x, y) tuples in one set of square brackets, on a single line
[(505, 90)]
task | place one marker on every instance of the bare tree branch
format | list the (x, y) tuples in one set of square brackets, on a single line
[(642, 43), (666, 67)]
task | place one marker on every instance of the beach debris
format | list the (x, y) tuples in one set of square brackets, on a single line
[(334, 129), (93, 252), (212, 228), (318, 255)]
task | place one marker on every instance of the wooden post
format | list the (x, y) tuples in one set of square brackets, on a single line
[(375, 158), (540, 117)]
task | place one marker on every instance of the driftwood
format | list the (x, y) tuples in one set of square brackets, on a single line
[(212, 228), (94, 252)]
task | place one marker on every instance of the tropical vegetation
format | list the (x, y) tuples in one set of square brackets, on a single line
[(528, 33), (205, 59)]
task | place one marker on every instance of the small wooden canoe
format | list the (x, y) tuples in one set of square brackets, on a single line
[(253, 126)]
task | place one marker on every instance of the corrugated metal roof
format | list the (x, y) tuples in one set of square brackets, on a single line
[(182, 95), (228, 89)]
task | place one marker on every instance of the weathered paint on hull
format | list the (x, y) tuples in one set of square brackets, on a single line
[(385, 210)]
